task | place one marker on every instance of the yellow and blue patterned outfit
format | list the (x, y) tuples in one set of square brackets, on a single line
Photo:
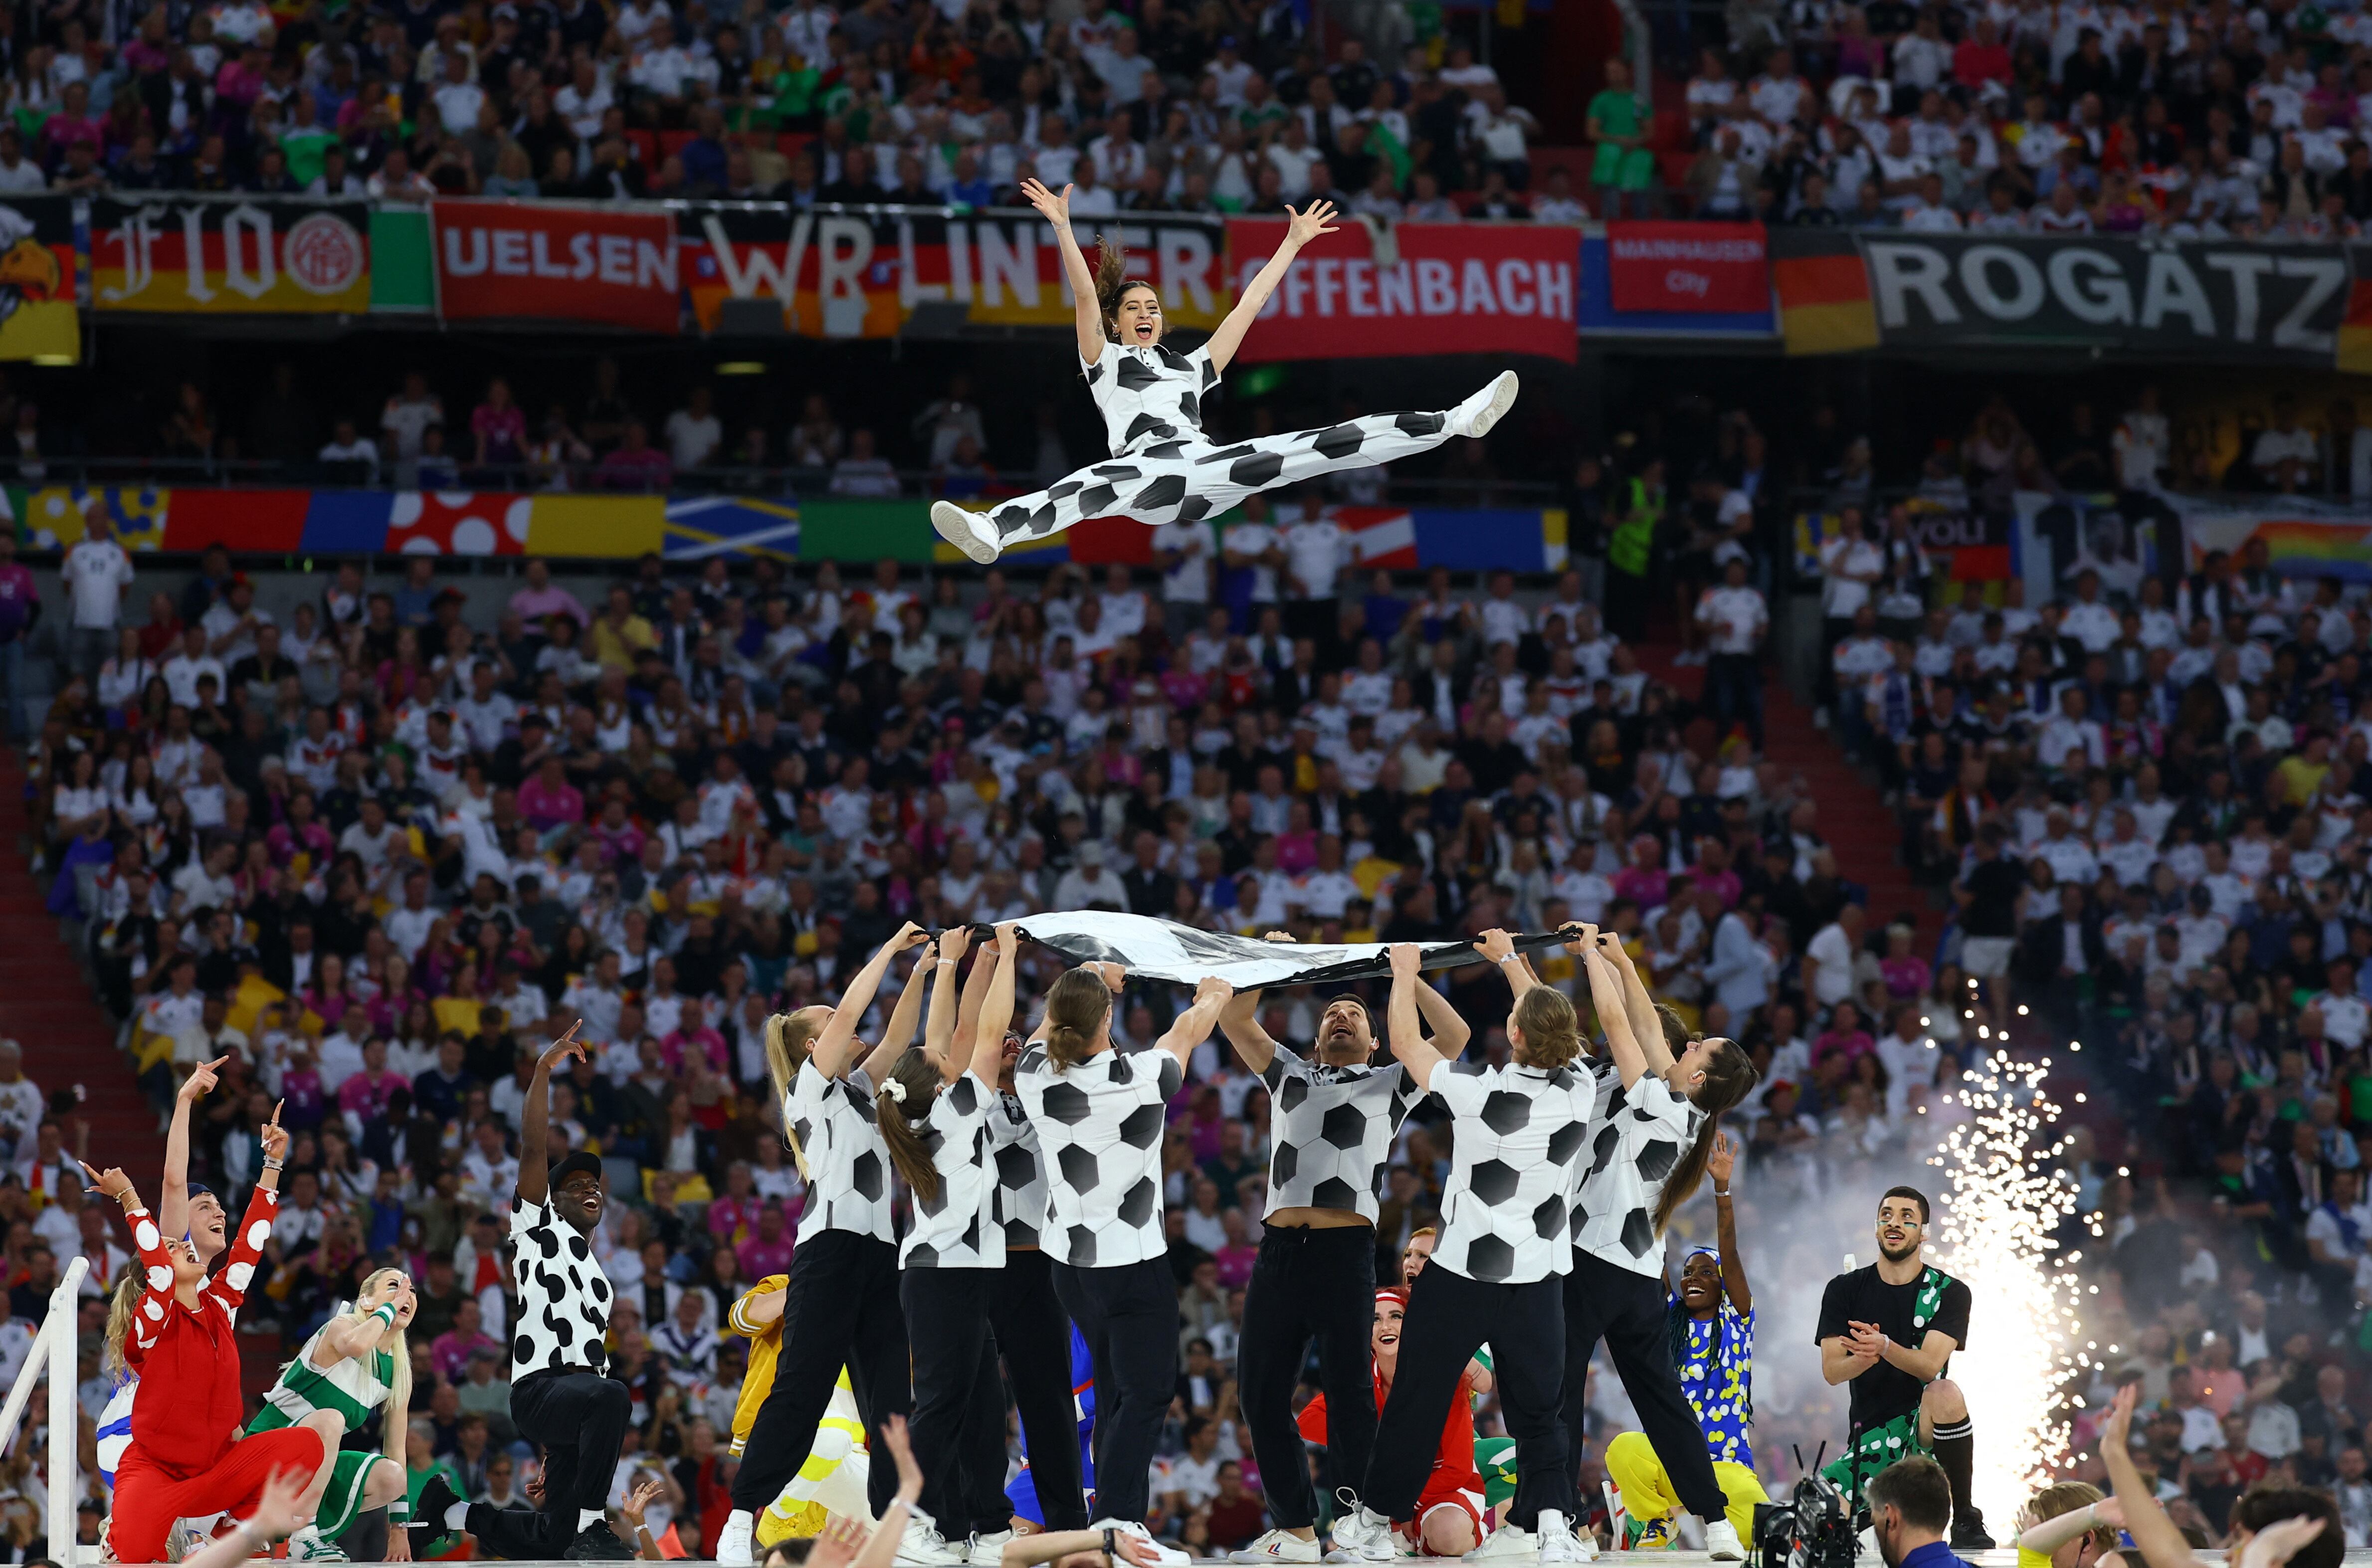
[(1716, 1367)]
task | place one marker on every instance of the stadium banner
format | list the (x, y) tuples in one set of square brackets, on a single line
[(1597, 316), (1842, 290), (613, 266), (1163, 949), (38, 320), (230, 255), (2303, 538), (869, 272), (1687, 268), (1419, 288)]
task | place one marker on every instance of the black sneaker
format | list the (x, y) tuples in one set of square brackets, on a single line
[(597, 1542), (1968, 1532), (428, 1525)]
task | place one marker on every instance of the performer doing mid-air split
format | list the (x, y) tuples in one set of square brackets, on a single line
[(1163, 468)]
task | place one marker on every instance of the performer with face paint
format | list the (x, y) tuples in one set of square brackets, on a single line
[(1163, 468), (1710, 1322)]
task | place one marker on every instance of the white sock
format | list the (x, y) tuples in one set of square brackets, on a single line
[(457, 1517), (588, 1518)]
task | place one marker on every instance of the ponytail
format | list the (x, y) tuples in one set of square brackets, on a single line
[(120, 1307), (789, 1038), (1112, 283), (1729, 1078), (1552, 1028), (901, 1104), (1078, 1006)]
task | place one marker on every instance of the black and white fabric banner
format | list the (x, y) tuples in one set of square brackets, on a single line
[(1162, 949)]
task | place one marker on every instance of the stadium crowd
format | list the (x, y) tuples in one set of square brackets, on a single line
[(1220, 107), (380, 850), (2018, 116)]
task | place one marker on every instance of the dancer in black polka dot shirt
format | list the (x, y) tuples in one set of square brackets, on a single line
[(1659, 1105), (1163, 468), (563, 1399), (839, 1307), (1516, 1132), (1334, 1117), (1100, 1113)]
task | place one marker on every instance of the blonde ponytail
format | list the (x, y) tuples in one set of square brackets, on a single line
[(1077, 1005), (789, 1038), (120, 1307)]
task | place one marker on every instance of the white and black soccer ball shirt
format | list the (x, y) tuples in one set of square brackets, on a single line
[(1638, 1138), (848, 1168), (1333, 1131), (1100, 1125), (1516, 1134), (564, 1314), (956, 1226), (1153, 391), (1019, 1170)]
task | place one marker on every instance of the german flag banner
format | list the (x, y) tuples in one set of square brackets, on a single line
[(1843, 290), (230, 255), (764, 269), (37, 319)]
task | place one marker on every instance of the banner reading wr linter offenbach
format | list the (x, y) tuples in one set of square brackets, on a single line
[(517, 261), (867, 272), (1445, 288), (237, 255)]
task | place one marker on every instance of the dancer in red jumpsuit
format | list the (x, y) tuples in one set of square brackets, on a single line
[(186, 1459), (1451, 1511)]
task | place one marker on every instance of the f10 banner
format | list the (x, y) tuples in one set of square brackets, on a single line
[(1842, 291), (1687, 268), (1442, 288), (238, 255), (867, 272), (557, 262), (37, 319)]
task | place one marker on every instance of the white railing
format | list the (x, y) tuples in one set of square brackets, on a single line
[(53, 1350)]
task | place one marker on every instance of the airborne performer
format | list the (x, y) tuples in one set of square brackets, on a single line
[(1163, 468)]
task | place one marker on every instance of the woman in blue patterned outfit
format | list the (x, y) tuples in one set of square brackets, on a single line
[(1712, 1318)]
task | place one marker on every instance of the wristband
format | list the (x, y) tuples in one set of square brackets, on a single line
[(385, 1313), (1721, 1191), (1507, 957), (1111, 1546), (270, 1164)]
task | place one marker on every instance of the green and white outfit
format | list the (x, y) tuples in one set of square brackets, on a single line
[(1885, 1400), (353, 1389)]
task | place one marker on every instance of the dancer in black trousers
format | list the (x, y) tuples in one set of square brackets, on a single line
[(1333, 1122), (839, 1307), (1100, 1115), (1657, 1116), (1515, 1133), (937, 1108)]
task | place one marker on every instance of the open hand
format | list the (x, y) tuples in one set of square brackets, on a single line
[(646, 1492), (1056, 209), (276, 1512), (1310, 222), (895, 1437), (2116, 1431), (2278, 1542), (1722, 1161), (838, 1546)]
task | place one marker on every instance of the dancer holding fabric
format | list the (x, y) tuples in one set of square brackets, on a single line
[(1315, 1278), (1516, 1134), (1658, 1114), (1163, 468), (841, 1303)]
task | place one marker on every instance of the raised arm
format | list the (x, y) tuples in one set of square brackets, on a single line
[(881, 1547), (173, 1194), (1240, 1022), (1449, 1031), (1500, 948), (2054, 1533), (1720, 1165), (1089, 311), (1646, 1024), (1194, 1024), (997, 1008), (2160, 1544), (535, 1117), (835, 1044), (1606, 990), (898, 1032), (939, 1026), (1304, 226), (1416, 1054)]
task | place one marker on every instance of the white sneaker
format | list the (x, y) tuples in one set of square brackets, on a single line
[(1278, 1546), (1505, 1544), (1559, 1543), (732, 1543), (924, 1547), (1478, 413), (308, 1545), (1362, 1535), (988, 1549), (967, 531), (1722, 1543)]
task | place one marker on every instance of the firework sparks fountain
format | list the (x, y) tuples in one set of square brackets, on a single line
[(2003, 1202)]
